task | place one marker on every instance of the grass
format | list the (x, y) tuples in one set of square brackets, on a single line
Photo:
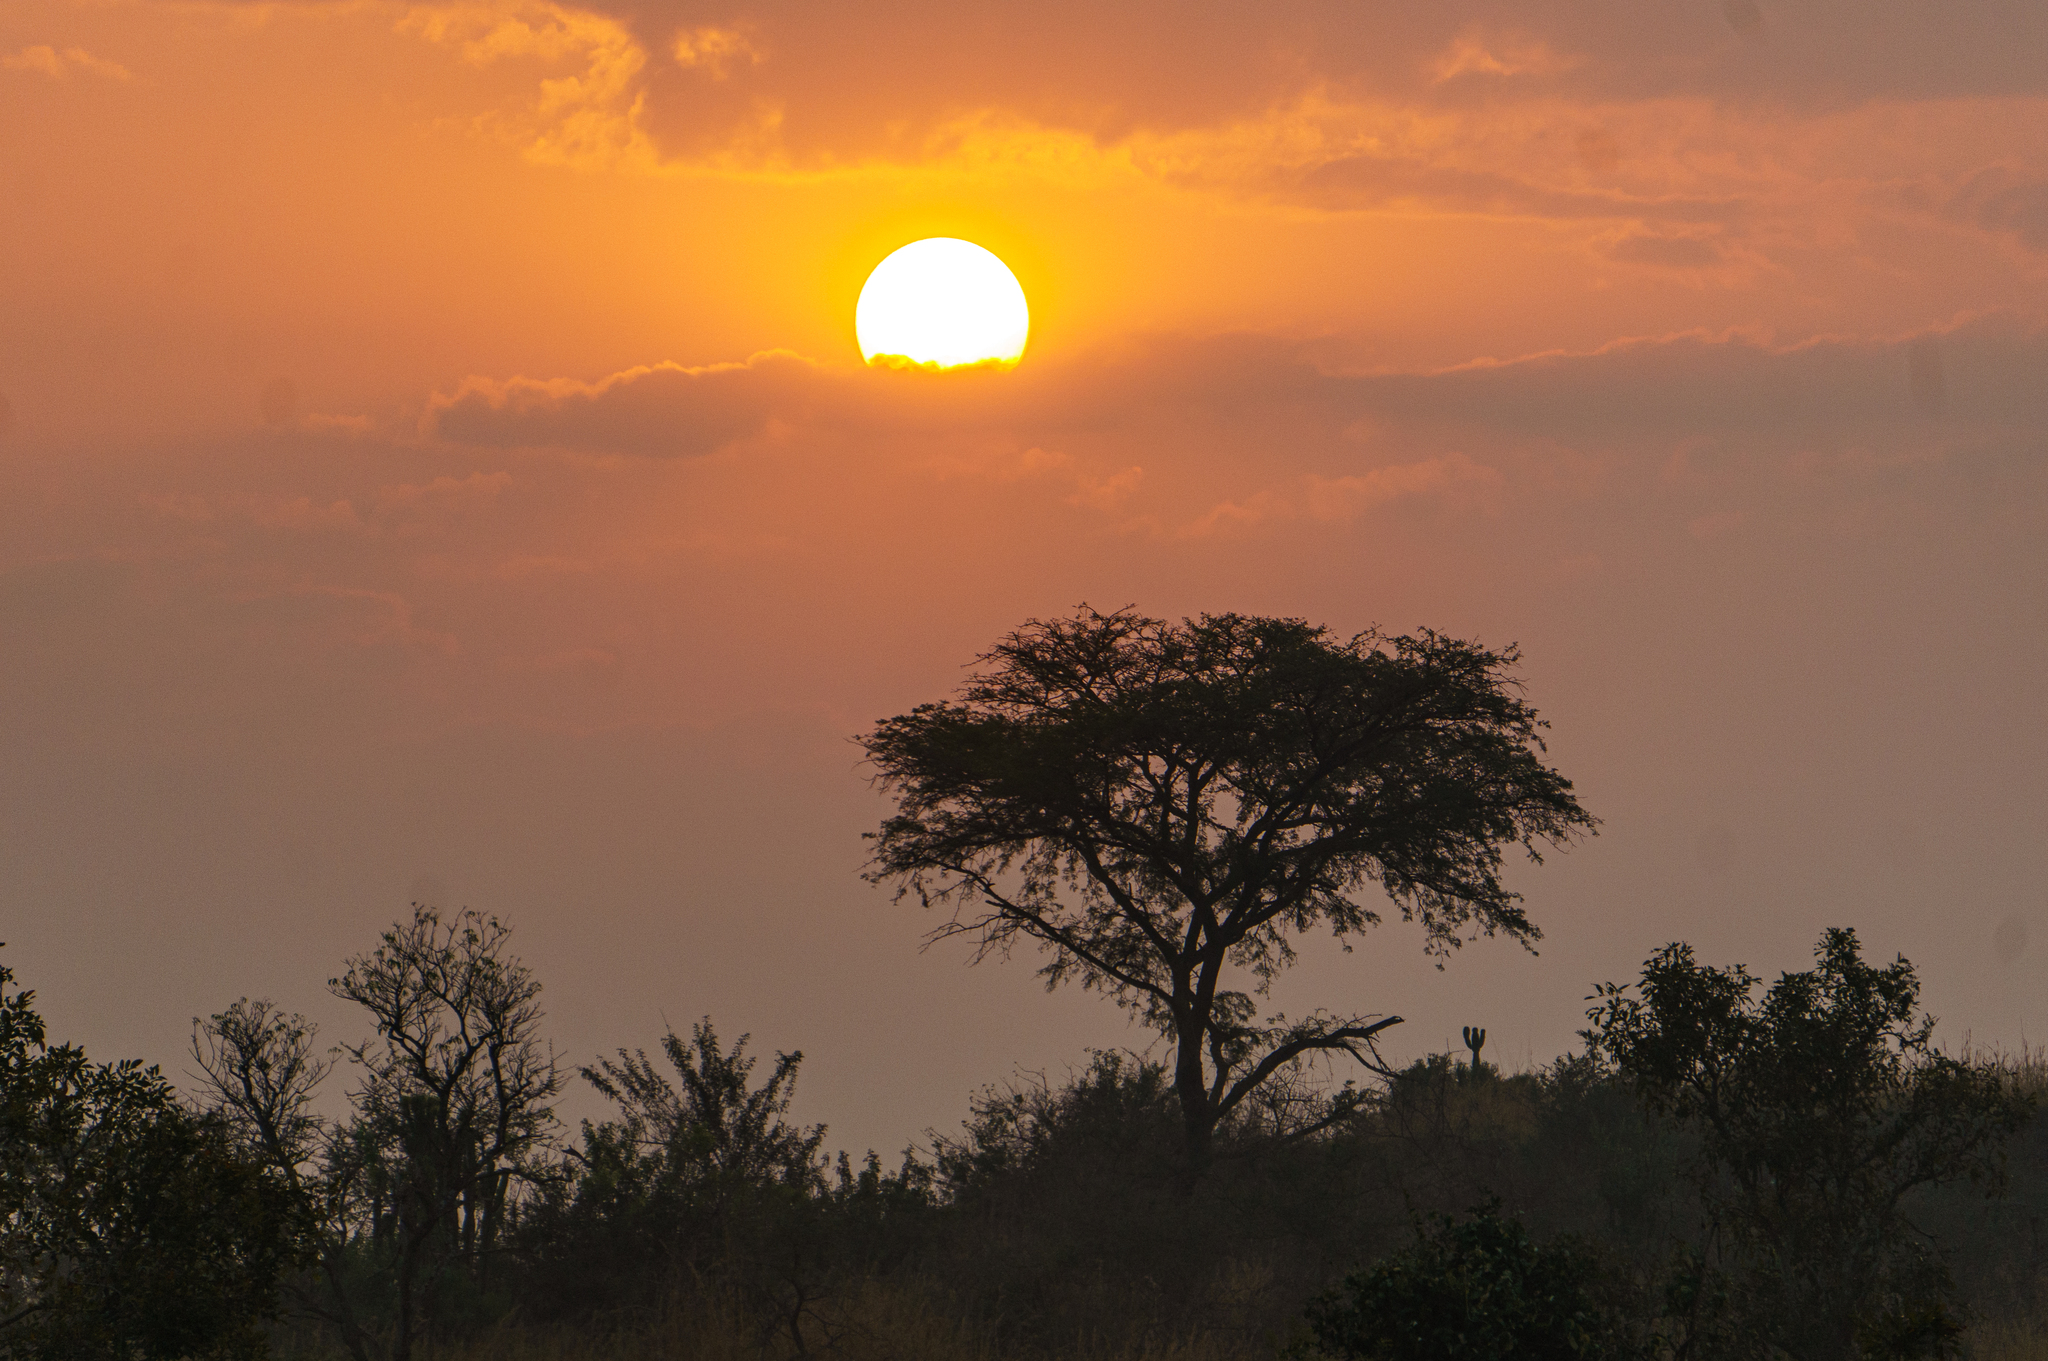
[(875, 1321)]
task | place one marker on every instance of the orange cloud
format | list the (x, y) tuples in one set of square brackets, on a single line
[(1339, 500), (300, 513), (588, 117), (58, 65), (1471, 53), (714, 51), (666, 410), (346, 616), (1256, 393), (2006, 201), (1669, 249), (448, 491), (1343, 498)]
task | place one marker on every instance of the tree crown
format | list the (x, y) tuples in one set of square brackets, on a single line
[(1242, 776), (1164, 806)]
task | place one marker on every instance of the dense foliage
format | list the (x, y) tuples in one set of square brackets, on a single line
[(1820, 1106), (130, 1225), (1481, 1290)]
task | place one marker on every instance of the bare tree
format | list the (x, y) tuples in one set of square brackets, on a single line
[(259, 1068), (455, 1097)]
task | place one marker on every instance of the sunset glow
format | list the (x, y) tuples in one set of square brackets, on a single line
[(441, 459), (943, 302)]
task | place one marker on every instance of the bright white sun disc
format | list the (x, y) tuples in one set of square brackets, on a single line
[(942, 301)]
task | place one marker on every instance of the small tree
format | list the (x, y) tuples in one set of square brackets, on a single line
[(708, 1174), (1481, 1290), (453, 1105), (1164, 808), (1820, 1106), (259, 1071), (718, 1134)]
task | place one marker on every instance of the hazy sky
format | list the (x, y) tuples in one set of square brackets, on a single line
[(435, 463)]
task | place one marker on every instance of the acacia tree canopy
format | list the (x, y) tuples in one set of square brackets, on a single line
[(1164, 807)]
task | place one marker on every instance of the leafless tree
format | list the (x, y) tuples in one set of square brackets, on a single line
[(455, 1098), (259, 1068)]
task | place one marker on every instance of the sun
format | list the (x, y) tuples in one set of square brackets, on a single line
[(942, 302)]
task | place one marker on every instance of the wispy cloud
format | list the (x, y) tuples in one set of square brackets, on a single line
[(1476, 53), (58, 64)]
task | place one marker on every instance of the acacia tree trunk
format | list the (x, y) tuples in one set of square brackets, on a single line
[(1191, 1085), (1198, 1150)]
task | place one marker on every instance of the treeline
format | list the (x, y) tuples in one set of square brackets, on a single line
[(1728, 1169)]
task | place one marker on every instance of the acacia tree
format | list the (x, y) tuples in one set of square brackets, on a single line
[(1165, 807)]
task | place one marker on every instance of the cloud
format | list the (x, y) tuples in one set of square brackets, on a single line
[(1345, 498), (1054, 420), (295, 513), (1744, 16), (661, 410), (475, 489), (1460, 99), (714, 51), (2011, 203), (336, 423), (1829, 388), (1340, 500), (585, 117), (1085, 486), (350, 616), (528, 568), (1665, 249), (1472, 53), (57, 65)]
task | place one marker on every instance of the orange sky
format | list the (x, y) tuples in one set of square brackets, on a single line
[(434, 461)]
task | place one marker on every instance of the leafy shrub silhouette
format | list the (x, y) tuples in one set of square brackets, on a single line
[(1481, 1290)]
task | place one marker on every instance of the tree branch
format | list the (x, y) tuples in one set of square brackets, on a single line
[(1343, 1037)]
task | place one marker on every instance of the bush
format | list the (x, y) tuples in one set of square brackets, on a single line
[(1481, 1290), (130, 1227)]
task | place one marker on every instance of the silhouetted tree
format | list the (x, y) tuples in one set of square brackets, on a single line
[(1165, 807), (718, 1133), (130, 1226), (453, 1106), (1819, 1106), (703, 1178), (259, 1071)]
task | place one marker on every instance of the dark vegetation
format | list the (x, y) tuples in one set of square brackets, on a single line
[(1702, 1181), (1728, 1169)]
